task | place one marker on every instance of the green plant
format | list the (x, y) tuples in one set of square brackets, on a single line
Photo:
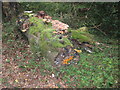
[(93, 70)]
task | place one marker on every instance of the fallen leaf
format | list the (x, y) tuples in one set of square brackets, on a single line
[(16, 81), (65, 61), (79, 51)]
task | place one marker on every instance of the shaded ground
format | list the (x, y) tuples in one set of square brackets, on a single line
[(16, 55), (21, 69)]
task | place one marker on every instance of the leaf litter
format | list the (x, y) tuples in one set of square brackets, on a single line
[(16, 55)]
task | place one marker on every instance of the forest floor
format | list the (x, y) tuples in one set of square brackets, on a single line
[(15, 54), (21, 69)]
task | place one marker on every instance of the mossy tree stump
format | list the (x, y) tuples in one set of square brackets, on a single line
[(43, 41), (54, 46)]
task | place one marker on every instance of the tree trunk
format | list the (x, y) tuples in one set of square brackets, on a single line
[(9, 10)]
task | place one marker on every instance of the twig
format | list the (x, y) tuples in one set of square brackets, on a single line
[(101, 30), (96, 26), (99, 24)]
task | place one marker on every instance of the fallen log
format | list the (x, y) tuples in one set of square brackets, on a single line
[(49, 38)]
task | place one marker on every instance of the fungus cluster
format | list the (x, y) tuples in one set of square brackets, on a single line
[(60, 27)]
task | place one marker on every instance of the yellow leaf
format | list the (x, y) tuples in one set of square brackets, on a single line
[(16, 80), (79, 51)]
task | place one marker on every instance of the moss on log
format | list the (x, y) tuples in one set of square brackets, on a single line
[(44, 41), (50, 40)]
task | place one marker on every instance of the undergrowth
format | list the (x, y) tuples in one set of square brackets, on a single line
[(99, 69)]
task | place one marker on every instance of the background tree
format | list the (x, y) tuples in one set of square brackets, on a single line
[(77, 14), (10, 10)]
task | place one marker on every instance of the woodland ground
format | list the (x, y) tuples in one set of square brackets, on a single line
[(21, 69)]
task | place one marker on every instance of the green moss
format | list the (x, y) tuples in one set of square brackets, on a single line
[(48, 41), (47, 33), (83, 29), (53, 40), (44, 47), (82, 36), (45, 37), (59, 43), (37, 27)]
